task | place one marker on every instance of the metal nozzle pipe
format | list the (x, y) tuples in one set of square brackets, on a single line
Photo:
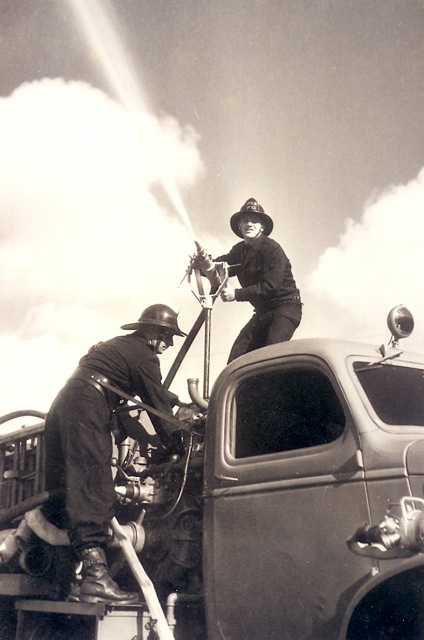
[(135, 492), (193, 391), (207, 266)]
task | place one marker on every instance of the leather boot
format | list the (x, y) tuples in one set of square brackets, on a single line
[(74, 592), (97, 585)]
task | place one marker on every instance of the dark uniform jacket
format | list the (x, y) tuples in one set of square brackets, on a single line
[(264, 272), (130, 364)]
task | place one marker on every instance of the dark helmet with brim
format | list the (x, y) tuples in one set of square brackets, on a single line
[(251, 206), (158, 315)]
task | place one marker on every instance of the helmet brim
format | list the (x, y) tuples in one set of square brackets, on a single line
[(134, 326)]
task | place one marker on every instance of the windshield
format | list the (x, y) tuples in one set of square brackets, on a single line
[(395, 392)]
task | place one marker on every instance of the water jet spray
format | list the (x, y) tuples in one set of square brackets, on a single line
[(98, 23)]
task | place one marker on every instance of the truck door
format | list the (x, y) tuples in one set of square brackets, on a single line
[(284, 490)]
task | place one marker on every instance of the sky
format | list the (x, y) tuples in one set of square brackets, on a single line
[(131, 128)]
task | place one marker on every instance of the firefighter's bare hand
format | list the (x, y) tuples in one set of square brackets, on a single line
[(228, 293)]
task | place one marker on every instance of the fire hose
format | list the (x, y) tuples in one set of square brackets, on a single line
[(144, 581), (45, 530)]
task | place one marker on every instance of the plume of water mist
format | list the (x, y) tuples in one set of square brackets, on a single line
[(99, 24)]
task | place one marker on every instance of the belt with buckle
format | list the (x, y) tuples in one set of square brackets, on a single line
[(87, 375)]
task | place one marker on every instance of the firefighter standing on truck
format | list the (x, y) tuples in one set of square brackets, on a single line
[(79, 443), (266, 280)]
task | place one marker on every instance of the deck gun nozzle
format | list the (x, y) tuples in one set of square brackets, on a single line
[(210, 269)]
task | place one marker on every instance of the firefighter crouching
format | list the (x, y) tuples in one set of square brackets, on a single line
[(79, 444)]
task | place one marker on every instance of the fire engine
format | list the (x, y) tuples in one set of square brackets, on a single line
[(295, 513)]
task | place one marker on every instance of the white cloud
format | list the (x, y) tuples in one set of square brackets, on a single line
[(84, 242), (377, 264)]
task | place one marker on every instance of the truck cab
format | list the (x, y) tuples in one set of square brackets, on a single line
[(306, 442)]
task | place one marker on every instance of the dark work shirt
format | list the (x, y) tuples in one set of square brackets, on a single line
[(129, 363), (264, 273)]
